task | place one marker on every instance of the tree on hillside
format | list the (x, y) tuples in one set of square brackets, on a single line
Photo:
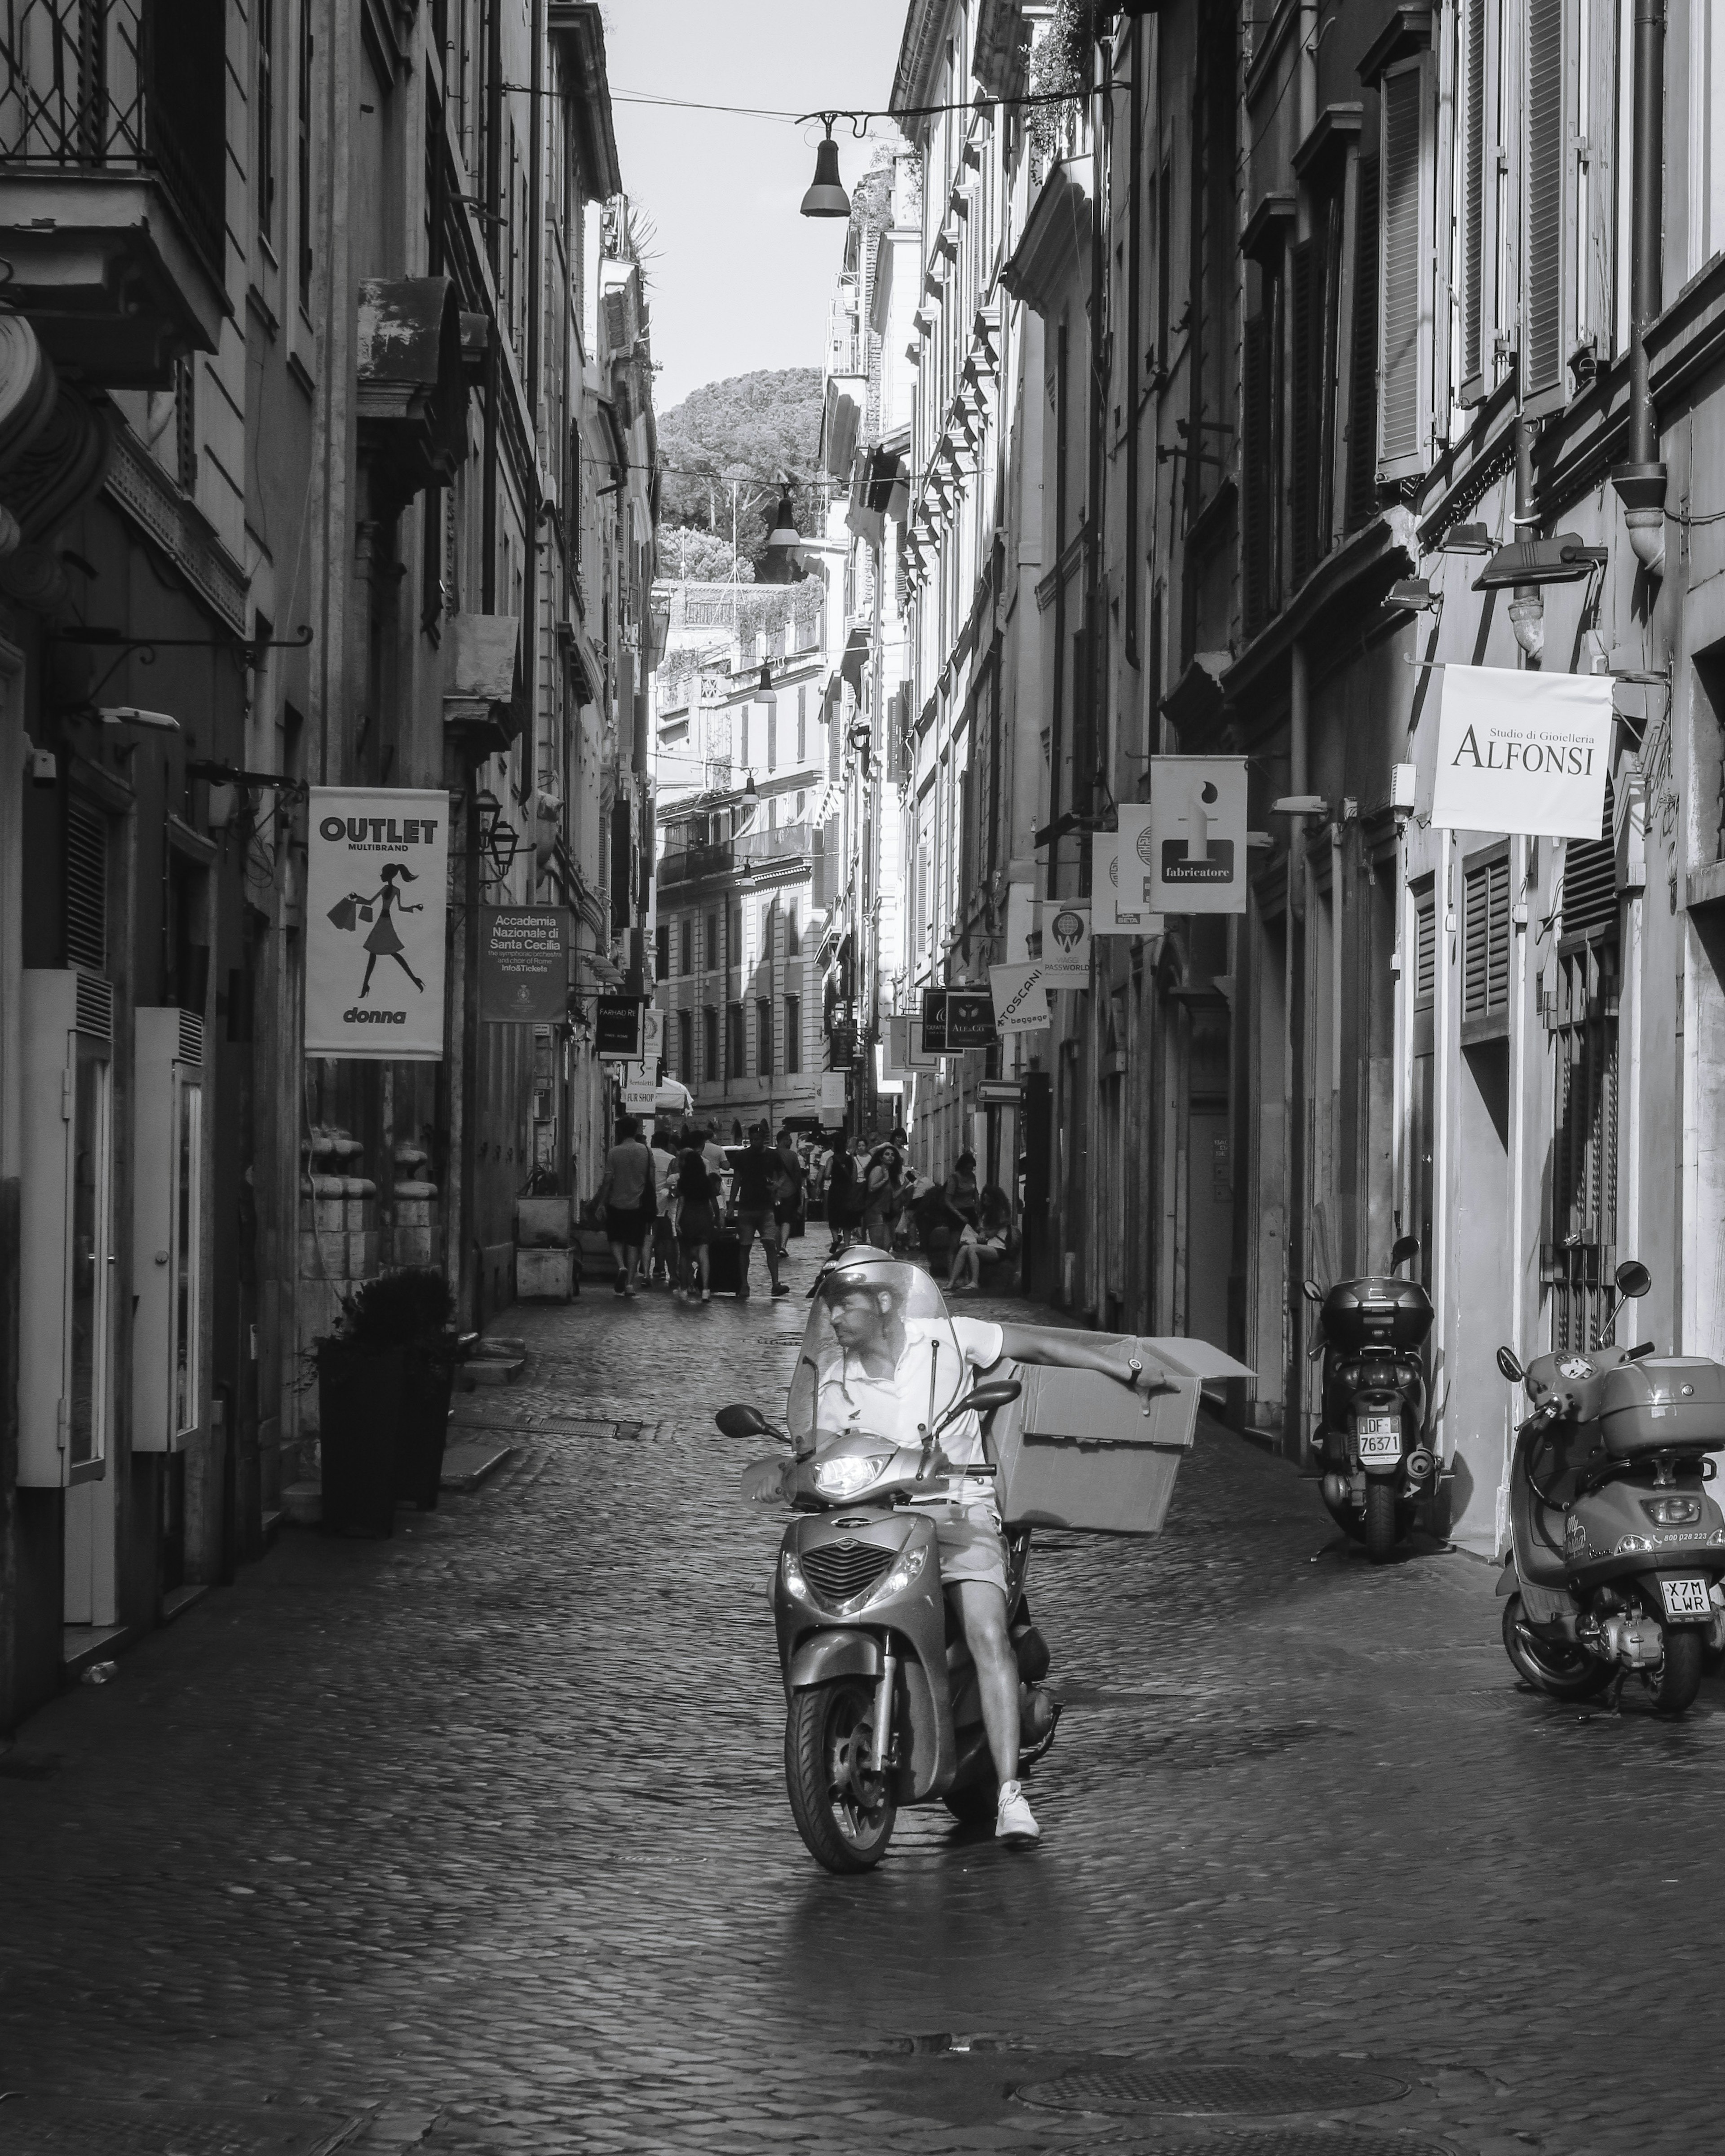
[(749, 428)]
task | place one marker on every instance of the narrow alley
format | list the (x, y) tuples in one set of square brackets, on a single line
[(476, 1839)]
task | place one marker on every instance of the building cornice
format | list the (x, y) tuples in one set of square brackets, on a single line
[(919, 54)]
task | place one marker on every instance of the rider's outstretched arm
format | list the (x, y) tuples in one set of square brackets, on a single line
[(1068, 1351)]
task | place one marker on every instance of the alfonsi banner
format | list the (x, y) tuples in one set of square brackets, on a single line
[(376, 890), (1527, 752)]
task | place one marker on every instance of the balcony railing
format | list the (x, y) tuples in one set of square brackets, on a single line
[(694, 862), (83, 88), (788, 839)]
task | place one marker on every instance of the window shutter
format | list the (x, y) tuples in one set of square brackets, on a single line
[(1305, 442), (1486, 941), (1406, 249), (1426, 951), (1473, 208), (86, 889), (1590, 877), (1543, 270), (1258, 479), (1363, 388)]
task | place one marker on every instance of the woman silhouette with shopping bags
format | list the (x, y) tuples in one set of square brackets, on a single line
[(383, 941)]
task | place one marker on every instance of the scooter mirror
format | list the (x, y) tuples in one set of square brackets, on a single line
[(1404, 1248), (1509, 1366), (742, 1421), (1311, 1291), (1633, 1279), (981, 1400)]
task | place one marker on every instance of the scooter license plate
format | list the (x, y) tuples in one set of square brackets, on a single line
[(1379, 1437), (1685, 1598)]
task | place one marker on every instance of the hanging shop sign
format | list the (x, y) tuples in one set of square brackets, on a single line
[(833, 1099), (1020, 998), (1065, 943), (1119, 872), (377, 893), (954, 1020), (1198, 834), (524, 966), (904, 1054), (1523, 752), (841, 1043), (1023, 930), (618, 1029)]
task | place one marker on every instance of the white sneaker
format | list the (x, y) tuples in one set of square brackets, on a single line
[(1014, 1823)]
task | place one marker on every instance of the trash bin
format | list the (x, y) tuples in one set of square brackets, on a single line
[(359, 1399)]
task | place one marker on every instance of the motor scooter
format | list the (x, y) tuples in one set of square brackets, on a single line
[(883, 1704), (1617, 1552), (1371, 1440)]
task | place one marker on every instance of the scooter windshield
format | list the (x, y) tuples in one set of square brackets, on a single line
[(879, 1354)]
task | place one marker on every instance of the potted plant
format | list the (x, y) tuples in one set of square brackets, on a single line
[(384, 1383)]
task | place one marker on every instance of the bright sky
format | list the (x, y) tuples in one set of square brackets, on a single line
[(741, 281)]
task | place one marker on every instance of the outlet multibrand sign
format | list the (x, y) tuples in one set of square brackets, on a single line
[(376, 894), (1523, 752)]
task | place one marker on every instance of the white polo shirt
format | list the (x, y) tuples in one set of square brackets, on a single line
[(895, 1404)]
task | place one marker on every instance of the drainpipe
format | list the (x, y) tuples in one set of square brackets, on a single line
[(1293, 1076), (1641, 482), (1527, 610)]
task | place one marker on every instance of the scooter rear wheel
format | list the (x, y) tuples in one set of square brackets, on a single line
[(1383, 1527), (1679, 1678), (1553, 1667), (842, 1809)]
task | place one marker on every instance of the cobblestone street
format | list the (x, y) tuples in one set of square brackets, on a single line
[(476, 1841)]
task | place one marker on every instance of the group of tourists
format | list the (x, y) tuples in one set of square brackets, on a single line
[(666, 1202)]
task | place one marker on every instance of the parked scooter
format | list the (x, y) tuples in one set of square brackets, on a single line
[(1617, 1552), (883, 1704), (1371, 1441)]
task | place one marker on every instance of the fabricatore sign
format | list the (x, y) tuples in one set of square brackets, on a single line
[(1020, 998), (376, 892), (523, 972), (1524, 753), (1198, 834)]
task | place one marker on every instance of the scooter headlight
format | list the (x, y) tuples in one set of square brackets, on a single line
[(905, 1571), (1631, 1545), (846, 1478), (792, 1573)]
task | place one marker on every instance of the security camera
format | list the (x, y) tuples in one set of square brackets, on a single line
[(129, 715)]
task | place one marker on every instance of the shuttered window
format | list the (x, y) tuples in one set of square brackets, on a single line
[(1424, 950), (1257, 473), (1543, 148), (1363, 389), (1473, 184), (1305, 408), (1591, 878), (1485, 937), (1406, 249), (86, 888)]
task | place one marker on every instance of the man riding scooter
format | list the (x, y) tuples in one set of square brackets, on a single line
[(886, 1375)]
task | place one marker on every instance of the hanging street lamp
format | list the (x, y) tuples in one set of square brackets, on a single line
[(826, 195)]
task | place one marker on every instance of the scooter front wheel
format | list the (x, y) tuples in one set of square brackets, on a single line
[(839, 1802), (1553, 1667)]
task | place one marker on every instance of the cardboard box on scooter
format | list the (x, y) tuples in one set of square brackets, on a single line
[(1077, 1450)]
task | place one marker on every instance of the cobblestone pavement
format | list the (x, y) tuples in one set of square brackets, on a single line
[(476, 1840)]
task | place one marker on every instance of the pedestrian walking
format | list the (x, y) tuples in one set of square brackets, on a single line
[(664, 1233), (789, 1186), (626, 1194), (751, 1209), (880, 1191), (697, 1219)]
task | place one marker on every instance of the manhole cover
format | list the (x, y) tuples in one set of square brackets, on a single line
[(42, 2127), (1276, 2141), (1192, 2090)]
